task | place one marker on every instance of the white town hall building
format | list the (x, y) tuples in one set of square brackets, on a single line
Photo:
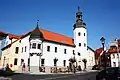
[(46, 49)]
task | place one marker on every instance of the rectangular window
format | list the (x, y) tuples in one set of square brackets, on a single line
[(84, 34), (73, 52), (42, 62), (79, 44), (78, 54), (39, 46), (84, 45), (55, 49), (65, 51), (16, 49), (34, 46), (79, 34), (64, 63), (25, 48), (15, 61), (48, 48), (28, 61), (22, 49)]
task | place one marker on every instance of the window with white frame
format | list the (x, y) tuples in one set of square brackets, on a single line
[(15, 61), (65, 51), (64, 63), (22, 50), (42, 62), (25, 48), (16, 49), (55, 49), (48, 48), (34, 45), (78, 33)]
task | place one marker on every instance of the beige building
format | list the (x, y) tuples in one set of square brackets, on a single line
[(10, 55)]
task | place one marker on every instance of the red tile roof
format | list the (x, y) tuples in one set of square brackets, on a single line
[(98, 51), (13, 36), (55, 37), (51, 36), (10, 35), (113, 50)]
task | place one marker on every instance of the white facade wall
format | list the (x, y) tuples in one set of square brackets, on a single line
[(114, 59), (81, 39), (24, 55), (60, 55)]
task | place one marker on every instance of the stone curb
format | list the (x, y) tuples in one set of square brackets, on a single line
[(42, 73)]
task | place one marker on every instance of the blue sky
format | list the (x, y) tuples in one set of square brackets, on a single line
[(101, 16)]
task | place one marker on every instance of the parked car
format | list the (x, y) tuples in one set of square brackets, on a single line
[(7, 72), (112, 73)]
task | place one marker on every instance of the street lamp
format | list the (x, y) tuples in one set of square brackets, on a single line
[(104, 57)]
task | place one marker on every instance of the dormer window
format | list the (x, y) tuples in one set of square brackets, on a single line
[(34, 45)]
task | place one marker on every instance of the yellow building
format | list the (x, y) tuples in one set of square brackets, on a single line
[(10, 55)]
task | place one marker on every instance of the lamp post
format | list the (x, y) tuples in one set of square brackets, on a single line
[(104, 56)]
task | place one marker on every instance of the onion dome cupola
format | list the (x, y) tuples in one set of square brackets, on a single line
[(79, 21), (36, 33)]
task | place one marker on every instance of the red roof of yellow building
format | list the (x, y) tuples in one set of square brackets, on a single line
[(13, 36)]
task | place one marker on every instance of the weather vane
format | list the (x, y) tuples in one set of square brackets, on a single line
[(37, 22)]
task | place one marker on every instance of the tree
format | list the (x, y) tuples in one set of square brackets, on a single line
[(84, 61), (72, 60), (72, 67)]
